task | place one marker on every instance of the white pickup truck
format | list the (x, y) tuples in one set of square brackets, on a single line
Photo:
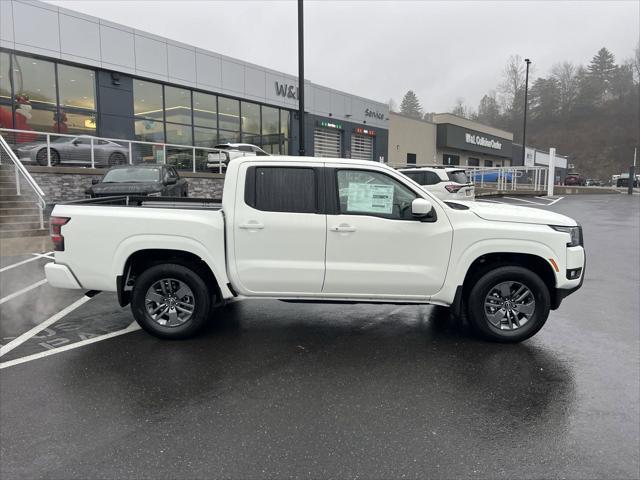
[(322, 230)]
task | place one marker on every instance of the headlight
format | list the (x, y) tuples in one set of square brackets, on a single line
[(575, 232), (154, 194)]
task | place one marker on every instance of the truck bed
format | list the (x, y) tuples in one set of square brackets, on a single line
[(151, 202)]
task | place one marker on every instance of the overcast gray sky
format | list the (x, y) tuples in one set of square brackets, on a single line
[(377, 49)]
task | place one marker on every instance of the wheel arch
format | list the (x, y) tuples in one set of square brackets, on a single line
[(141, 260), (489, 261)]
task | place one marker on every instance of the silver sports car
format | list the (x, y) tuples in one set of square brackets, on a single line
[(75, 150)]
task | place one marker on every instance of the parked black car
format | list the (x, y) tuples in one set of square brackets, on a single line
[(155, 180)]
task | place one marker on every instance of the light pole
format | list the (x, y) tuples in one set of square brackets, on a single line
[(526, 95), (300, 80)]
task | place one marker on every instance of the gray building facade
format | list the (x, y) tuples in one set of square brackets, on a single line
[(65, 72)]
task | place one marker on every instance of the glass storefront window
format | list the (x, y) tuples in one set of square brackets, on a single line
[(228, 114), (270, 120), (78, 123), (250, 118), (177, 105), (205, 110), (34, 82), (147, 100), (38, 119), (205, 137), (181, 158), (77, 87), (284, 123), (228, 137), (149, 131), (179, 134), (285, 117), (5, 82)]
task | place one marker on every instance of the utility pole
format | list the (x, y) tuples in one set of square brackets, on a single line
[(301, 136), (526, 96), (632, 172)]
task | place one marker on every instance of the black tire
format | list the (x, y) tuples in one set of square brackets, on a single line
[(41, 157), (477, 315), (202, 300), (117, 158)]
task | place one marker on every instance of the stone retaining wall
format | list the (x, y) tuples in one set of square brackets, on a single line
[(62, 184)]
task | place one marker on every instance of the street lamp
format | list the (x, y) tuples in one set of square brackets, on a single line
[(526, 93), (301, 138)]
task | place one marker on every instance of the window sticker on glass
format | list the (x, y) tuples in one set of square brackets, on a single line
[(368, 197)]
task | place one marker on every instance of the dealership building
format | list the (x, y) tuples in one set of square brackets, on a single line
[(447, 140), (65, 72)]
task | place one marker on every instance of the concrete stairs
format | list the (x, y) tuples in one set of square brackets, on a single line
[(19, 214)]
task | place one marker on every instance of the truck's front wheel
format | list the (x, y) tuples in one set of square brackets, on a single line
[(508, 304), (170, 301)]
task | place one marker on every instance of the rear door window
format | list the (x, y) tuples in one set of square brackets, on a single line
[(431, 178), (458, 176), (281, 189), (417, 177)]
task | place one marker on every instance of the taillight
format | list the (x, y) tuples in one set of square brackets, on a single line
[(55, 230), (453, 188)]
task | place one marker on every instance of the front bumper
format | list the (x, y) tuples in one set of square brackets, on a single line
[(562, 293), (60, 276)]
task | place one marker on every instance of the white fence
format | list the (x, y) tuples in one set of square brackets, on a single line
[(502, 178), (57, 149)]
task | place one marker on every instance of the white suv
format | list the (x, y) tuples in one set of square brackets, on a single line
[(443, 182)]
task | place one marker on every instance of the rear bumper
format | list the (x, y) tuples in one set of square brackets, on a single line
[(60, 276)]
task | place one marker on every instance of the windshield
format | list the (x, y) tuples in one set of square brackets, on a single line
[(133, 174), (458, 176), (63, 140)]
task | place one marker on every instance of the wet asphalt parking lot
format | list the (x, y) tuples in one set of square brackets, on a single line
[(275, 390)]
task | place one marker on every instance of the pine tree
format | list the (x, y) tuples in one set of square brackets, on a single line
[(603, 64), (603, 70), (410, 105)]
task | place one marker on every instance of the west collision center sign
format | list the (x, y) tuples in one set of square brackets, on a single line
[(482, 141), (461, 138)]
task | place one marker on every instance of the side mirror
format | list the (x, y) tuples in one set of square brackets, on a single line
[(95, 181), (170, 181), (76, 142), (421, 207)]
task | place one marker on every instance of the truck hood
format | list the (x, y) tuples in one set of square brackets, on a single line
[(512, 213)]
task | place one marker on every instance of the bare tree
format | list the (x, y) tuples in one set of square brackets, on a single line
[(636, 63), (393, 106), (512, 85), (566, 74)]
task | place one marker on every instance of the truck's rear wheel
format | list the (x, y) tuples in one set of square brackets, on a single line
[(171, 301), (508, 304)]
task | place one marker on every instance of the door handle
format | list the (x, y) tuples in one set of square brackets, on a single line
[(343, 228), (251, 226)]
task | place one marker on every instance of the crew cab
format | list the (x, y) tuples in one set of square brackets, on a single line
[(319, 230)]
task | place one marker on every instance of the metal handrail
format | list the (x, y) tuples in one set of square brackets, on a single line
[(124, 142), (42, 203)]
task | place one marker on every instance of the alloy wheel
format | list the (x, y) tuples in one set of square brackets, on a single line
[(509, 305), (169, 302)]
